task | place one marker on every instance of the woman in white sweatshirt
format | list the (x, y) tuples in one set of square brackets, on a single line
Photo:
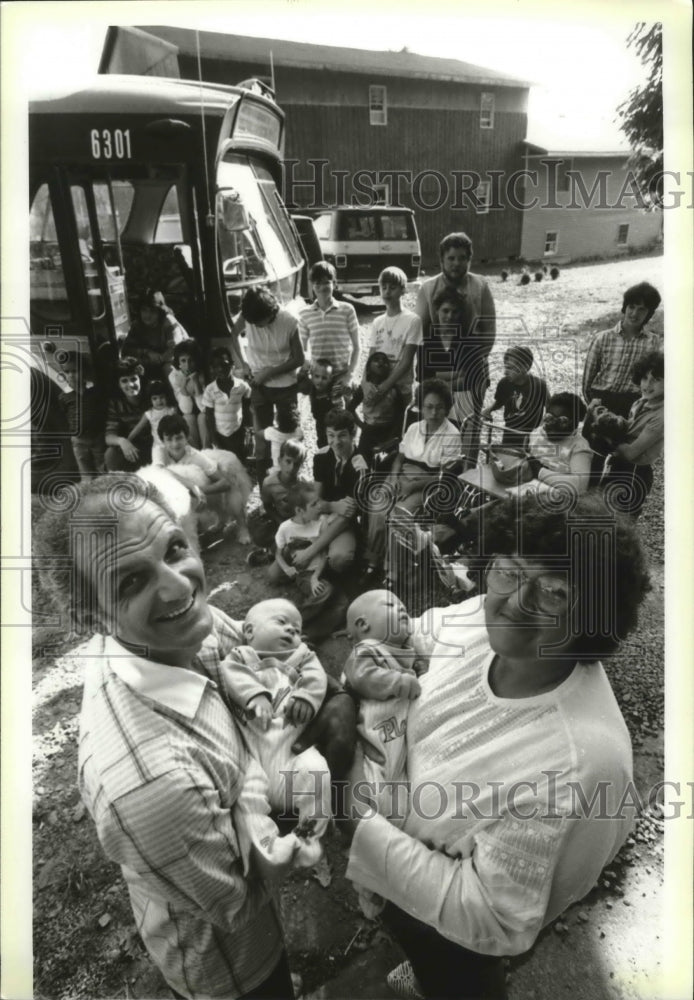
[(519, 760)]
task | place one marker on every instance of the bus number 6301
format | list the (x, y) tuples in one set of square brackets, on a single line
[(107, 144)]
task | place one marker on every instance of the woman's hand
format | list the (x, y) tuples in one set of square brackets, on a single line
[(298, 712), (130, 452)]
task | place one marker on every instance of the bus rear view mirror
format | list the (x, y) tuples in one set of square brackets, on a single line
[(232, 213)]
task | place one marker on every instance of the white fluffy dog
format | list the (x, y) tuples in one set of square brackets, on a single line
[(176, 481)]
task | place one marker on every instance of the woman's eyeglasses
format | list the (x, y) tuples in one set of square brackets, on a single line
[(551, 595)]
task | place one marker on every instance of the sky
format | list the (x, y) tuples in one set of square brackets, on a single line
[(576, 55)]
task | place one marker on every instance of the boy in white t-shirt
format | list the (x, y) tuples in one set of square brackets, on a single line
[(297, 532), (397, 334)]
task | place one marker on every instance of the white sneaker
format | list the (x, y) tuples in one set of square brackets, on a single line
[(403, 982)]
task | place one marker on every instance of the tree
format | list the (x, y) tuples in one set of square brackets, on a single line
[(641, 114)]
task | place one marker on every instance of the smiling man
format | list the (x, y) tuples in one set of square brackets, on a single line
[(163, 769)]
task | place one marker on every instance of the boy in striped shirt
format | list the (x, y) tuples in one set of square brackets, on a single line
[(330, 329)]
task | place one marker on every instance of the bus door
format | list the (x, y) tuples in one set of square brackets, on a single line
[(78, 293), (98, 223)]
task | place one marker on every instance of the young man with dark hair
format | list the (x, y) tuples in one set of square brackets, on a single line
[(614, 352)]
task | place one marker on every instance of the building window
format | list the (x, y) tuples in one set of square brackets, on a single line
[(487, 111), (551, 241), (378, 107), (623, 235), (483, 194)]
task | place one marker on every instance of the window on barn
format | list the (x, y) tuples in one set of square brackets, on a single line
[(483, 194), (487, 110), (623, 235), (551, 241), (378, 107)]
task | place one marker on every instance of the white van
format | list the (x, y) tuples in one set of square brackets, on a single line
[(360, 242)]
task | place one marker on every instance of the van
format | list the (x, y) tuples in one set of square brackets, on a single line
[(360, 242)]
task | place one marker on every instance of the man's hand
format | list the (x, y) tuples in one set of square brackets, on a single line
[(347, 507), (276, 860), (298, 712), (333, 731), (130, 452), (261, 376), (260, 710), (408, 687)]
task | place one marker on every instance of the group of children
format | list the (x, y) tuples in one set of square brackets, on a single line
[(307, 532)]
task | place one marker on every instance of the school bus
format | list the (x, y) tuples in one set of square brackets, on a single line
[(140, 182)]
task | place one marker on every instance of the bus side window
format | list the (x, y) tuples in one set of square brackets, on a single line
[(48, 292)]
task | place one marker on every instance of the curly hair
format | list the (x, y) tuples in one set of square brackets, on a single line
[(340, 420), (70, 525), (187, 348), (572, 404), (435, 387), (643, 294), (601, 549), (259, 305)]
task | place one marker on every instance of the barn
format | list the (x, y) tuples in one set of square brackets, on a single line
[(437, 135)]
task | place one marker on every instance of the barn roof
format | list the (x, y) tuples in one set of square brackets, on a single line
[(304, 55)]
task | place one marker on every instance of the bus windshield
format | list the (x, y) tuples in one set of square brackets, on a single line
[(256, 242)]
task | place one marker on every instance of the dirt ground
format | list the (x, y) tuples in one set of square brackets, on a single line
[(85, 945)]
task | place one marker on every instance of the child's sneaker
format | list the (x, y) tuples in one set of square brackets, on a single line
[(403, 982)]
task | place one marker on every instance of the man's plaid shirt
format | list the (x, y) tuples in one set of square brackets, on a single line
[(161, 764), (611, 357)]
